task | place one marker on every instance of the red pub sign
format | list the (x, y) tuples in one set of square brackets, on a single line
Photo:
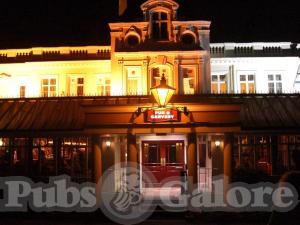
[(162, 115)]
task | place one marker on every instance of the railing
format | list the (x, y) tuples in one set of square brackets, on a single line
[(55, 53)]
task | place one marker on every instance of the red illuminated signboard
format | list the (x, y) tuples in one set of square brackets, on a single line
[(162, 115)]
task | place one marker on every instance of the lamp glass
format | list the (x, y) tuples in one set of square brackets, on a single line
[(162, 93)]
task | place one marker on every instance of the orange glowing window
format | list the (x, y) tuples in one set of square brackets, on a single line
[(104, 86), (49, 88), (189, 74), (22, 91), (219, 83), (77, 86)]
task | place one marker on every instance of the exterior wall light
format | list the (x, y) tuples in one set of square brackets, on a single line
[(108, 143), (163, 92), (217, 143)]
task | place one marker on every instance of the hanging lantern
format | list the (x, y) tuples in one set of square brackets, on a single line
[(163, 92)]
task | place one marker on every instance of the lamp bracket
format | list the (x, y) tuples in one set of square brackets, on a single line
[(183, 109)]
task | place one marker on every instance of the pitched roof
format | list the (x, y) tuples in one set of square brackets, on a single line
[(59, 114), (258, 112)]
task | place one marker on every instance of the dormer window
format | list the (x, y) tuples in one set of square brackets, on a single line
[(160, 26)]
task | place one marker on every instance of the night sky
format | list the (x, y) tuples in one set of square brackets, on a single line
[(27, 23)]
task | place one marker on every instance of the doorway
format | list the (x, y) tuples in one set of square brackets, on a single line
[(164, 160)]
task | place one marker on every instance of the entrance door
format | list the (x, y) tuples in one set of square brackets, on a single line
[(164, 159)]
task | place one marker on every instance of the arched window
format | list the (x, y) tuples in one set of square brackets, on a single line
[(160, 26)]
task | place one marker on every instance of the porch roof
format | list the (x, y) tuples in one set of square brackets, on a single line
[(257, 112)]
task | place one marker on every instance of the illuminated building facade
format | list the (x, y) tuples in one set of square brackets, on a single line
[(80, 110)]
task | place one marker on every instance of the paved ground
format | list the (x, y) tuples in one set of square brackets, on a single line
[(156, 219)]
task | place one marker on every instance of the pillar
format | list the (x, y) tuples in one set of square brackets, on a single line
[(274, 153), (228, 160), (132, 152), (97, 151), (177, 77), (132, 162), (57, 142), (97, 158), (29, 159), (192, 161)]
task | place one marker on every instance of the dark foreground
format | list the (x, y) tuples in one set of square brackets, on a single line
[(159, 218)]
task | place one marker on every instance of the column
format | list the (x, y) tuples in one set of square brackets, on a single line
[(132, 162), (274, 153), (96, 143), (177, 77), (231, 80), (192, 161), (228, 159), (97, 151), (29, 159), (144, 77), (57, 148), (132, 152)]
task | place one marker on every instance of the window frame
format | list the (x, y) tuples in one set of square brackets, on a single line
[(168, 74), (194, 78), (219, 82), (137, 76), (275, 83), (22, 91), (49, 85), (74, 87), (247, 82), (160, 21), (102, 83)]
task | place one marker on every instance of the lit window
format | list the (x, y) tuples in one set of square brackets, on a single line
[(49, 88), (188, 80), (156, 74), (254, 152), (19, 155), (134, 81), (77, 86), (75, 153), (247, 84), (22, 91), (4, 156), (275, 83), (219, 84), (160, 26), (80, 85), (43, 157), (103, 86)]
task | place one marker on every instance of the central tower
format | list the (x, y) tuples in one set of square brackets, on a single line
[(160, 44)]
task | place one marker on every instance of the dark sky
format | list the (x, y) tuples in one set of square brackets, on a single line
[(27, 23)]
